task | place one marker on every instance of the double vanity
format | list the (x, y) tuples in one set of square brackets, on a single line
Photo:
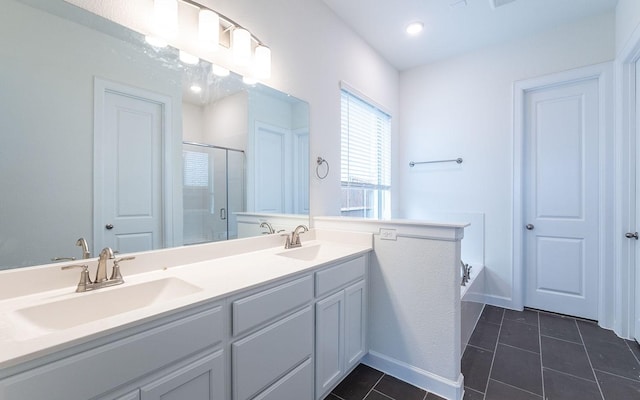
[(237, 320)]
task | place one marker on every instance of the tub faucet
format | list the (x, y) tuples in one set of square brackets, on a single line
[(466, 273), (101, 273), (85, 248), (294, 240)]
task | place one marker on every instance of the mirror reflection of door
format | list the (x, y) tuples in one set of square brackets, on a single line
[(213, 182), (128, 213)]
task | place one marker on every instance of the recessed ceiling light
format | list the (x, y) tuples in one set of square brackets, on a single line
[(196, 88), (414, 28)]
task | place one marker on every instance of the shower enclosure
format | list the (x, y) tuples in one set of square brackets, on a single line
[(213, 192)]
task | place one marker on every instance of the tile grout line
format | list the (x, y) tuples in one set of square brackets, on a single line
[(563, 340), (493, 358), (631, 350), (616, 375), (515, 387), (593, 371), (540, 346), (373, 387), (380, 393), (520, 348)]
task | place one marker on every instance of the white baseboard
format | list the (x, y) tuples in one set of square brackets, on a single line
[(500, 301), (443, 387)]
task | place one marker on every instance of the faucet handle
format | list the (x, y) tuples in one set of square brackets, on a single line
[(63, 259), (287, 244), (115, 271), (85, 280)]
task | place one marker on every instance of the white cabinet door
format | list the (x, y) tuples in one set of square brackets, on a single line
[(201, 380), (354, 324), (329, 342)]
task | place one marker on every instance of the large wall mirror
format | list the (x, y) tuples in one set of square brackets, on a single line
[(107, 138)]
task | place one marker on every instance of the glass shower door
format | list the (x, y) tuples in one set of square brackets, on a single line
[(213, 191)]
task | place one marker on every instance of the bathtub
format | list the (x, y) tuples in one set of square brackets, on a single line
[(472, 303)]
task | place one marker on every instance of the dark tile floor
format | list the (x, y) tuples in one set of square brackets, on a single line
[(366, 383), (526, 355), (533, 355)]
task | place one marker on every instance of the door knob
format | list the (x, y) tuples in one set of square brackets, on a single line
[(109, 226), (529, 227), (630, 235)]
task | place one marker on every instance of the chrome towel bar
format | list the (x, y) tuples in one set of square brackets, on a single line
[(412, 163)]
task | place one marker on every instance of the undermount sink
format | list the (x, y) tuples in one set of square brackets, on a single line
[(93, 306), (306, 253)]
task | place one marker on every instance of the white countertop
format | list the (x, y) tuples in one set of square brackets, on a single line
[(21, 341)]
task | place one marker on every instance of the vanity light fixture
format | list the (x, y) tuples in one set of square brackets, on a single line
[(188, 58), (214, 30), (414, 28), (219, 71), (196, 88), (208, 29)]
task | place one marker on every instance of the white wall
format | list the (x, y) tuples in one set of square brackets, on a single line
[(463, 107), (627, 21)]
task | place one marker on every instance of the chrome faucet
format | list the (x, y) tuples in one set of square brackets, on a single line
[(85, 248), (85, 252), (294, 240), (267, 225), (101, 272), (466, 273), (101, 280)]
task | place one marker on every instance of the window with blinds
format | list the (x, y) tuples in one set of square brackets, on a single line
[(365, 159)]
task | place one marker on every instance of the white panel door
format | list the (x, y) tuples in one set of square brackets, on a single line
[(271, 169), (637, 216), (562, 198), (131, 184)]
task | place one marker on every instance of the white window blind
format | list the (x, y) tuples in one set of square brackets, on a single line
[(365, 158)]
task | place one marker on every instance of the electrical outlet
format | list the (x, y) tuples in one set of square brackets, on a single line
[(388, 234)]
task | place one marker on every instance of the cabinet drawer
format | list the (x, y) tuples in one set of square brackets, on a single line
[(297, 384), (86, 375), (259, 308), (335, 277), (263, 357)]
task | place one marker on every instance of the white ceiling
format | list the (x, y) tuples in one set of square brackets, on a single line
[(451, 30)]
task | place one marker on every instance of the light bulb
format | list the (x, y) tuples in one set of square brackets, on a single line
[(195, 88), (188, 58), (263, 62), (241, 43), (219, 71), (165, 18), (209, 29), (249, 80)]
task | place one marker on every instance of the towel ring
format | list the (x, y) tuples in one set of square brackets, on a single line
[(321, 161)]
